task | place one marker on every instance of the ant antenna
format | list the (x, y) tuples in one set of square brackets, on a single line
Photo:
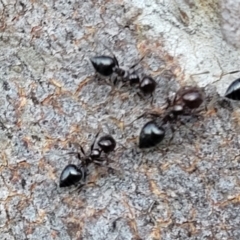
[(92, 146)]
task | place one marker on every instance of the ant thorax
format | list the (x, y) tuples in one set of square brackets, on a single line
[(127, 75)]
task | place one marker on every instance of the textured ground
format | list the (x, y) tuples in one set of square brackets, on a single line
[(51, 101)]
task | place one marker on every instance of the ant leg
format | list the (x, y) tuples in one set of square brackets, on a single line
[(76, 154), (140, 95), (82, 150), (147, 114), (152, 98), (92, 146), (195, 133), (171, 138), (133, 66), (108, 168), (79, 188), (99, 162), (115, 81)]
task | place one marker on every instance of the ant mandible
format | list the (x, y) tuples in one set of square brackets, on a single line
[(106, 66), (74, 174), (185, 101)]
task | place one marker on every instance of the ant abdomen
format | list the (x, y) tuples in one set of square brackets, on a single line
[(104, 65), (71, 175), (151, 134)]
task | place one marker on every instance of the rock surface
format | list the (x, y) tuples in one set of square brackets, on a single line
[(52, 102)]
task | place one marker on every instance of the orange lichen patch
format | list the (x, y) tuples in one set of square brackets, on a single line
[(190, 169), (36, 32), (210, 112), (130, 217), (90, 30), (190, 227), (145, 46), (2, 25), (27, 142), (41, 213), (16, 177), (42, 165), (23, 164), (169, 63), (74, 226), (81, 85), (74, 202), (133, 227), (230, 200), (51, 142), (155, 234), (22, 102), (225, 142), (93, 178), (156, 230), (47, 100), (90, 212), (143, 168), (75, 128), (4, 161), (29, 229), (55, 83), (155, 189), (119, 122), (163, 223), (165, 166), (23, 203), (54, 234), (33, 186), (236, 117), (132, 139), (184, 17)]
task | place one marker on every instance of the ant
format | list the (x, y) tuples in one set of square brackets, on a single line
[(106, 66), (73, 174), (186, 100)]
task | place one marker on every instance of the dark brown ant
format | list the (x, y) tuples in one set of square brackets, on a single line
[(186, 100), (73, 174), (106, 66)]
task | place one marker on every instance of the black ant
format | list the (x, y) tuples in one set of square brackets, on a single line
[(185, 101), (73, 174), (106, 66)]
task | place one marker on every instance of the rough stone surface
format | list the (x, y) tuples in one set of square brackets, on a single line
[(51, 101), (230, 11)]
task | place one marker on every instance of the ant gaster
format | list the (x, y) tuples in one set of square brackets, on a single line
[(73, 174), (106, 66), (185, 101), (233, 91)]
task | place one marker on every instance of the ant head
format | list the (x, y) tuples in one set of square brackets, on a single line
[(107, 143), (191, 97), (147, 85), (95, 153), (177, 109)]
